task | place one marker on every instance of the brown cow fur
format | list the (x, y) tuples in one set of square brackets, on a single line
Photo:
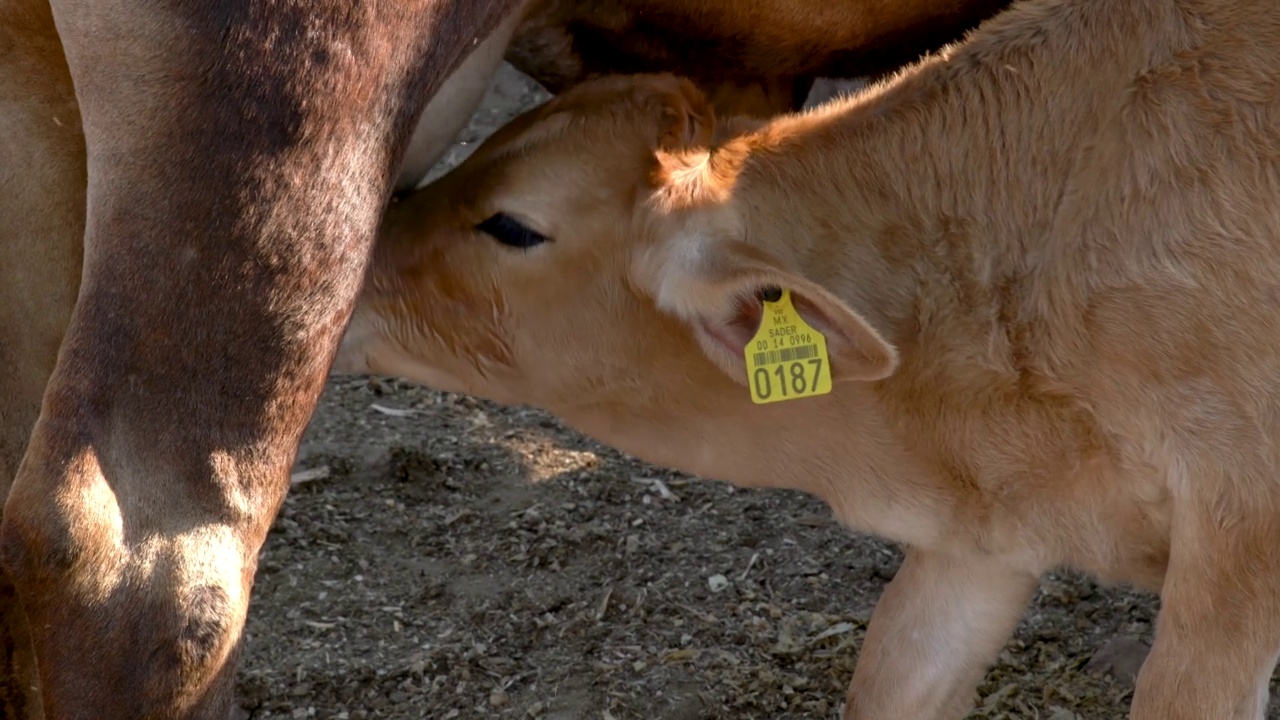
[(748, 57), (42, 196), (751, 58), (1047, 262)]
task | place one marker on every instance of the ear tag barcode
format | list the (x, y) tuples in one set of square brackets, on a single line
[(787, 358)]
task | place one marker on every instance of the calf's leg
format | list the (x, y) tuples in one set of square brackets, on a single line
[(940, 623), (42, 184), (239, 153), (1218, 632)]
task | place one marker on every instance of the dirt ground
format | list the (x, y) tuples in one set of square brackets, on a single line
[(464, 560)]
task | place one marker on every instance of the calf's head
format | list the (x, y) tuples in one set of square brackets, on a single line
[(594, 257)]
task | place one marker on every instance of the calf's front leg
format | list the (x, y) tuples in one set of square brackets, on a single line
[(937, 628)]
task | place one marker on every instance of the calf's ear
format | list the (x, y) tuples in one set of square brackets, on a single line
[(719, 290), (686, 120)]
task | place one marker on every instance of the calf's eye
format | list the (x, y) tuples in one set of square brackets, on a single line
[(509, 231)]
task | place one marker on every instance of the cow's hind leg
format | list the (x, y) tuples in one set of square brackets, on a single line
[(42, 185)]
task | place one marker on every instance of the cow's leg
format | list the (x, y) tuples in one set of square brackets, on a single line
[(1218, 632), (42, 182), (940, 623), (453, 104), (239, 153)]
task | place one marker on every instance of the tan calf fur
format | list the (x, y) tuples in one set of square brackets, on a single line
[(1047, 264)]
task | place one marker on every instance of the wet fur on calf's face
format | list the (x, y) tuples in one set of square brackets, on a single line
[(492, 309)]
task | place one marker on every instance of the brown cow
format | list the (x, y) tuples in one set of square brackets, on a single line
[(235, 160), (758, 57), (778, 45), (1045, 264), (225, 165)]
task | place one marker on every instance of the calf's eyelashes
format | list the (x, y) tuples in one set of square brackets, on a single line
[(509, 231)]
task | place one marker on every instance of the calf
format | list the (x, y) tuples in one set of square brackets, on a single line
[(1042, 269)]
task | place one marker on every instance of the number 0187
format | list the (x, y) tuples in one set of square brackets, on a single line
[(788, 379)]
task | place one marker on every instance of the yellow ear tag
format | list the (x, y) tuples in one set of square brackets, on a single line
[(787, 358)]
